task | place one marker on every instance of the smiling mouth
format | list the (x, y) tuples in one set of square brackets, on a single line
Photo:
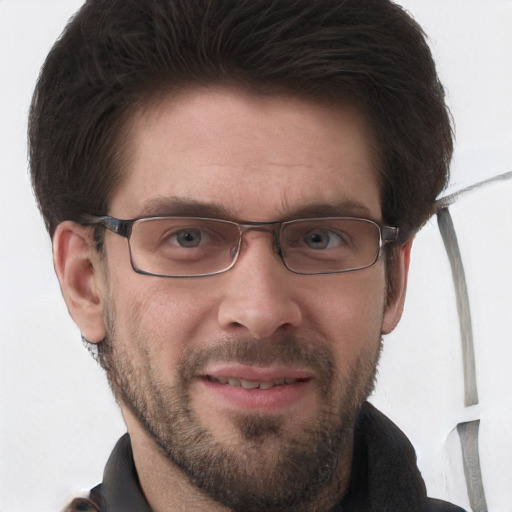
[(254, 384)]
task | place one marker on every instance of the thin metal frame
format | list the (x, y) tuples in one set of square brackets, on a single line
[(123, 227)]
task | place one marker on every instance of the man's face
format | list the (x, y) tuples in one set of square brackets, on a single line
[(182, 351)]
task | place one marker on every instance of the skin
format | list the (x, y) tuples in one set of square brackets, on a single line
[(249, 158)]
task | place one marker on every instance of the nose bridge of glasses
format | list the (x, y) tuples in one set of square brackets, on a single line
[(272, 228)]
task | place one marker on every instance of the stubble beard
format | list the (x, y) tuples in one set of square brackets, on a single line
[(270, 467)]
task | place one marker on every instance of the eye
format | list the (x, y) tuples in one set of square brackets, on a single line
[(323, 239), (188, 237)]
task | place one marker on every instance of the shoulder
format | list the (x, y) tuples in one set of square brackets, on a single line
[(434, 505), (82, 505), (92, 501)]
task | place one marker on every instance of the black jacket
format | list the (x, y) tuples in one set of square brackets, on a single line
[(384, 478)]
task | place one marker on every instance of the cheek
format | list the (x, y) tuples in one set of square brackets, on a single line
[(350, 312), (159, 305), (161, 316)]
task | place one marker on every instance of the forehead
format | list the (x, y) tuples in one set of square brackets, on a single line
[(230, 153)]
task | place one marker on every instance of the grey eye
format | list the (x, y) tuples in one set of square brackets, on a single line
[(189, 238), (322, 239)]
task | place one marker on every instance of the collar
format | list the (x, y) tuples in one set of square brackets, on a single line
[(385, 476), (120, 490)]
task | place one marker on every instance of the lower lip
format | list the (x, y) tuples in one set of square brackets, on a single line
[(272, 399)]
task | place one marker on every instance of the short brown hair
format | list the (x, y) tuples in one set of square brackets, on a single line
[(114, 54)]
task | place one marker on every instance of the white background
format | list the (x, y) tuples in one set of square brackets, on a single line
[(58, 421)]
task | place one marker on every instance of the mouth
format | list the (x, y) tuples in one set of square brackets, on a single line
[(255, 384), (255, 388)]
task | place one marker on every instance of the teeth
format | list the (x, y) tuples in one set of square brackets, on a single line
[(249, 384), (253, 384)]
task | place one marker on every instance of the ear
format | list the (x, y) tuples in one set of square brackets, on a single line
[(80, 271), (396, 296)]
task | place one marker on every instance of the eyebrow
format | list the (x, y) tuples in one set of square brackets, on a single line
[(188, 207), (342, 208), (182, 207)]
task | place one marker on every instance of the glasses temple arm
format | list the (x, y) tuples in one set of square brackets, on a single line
[(118, 226), (389, 234)]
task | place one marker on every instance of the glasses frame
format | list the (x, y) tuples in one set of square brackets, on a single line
[(123, 227)]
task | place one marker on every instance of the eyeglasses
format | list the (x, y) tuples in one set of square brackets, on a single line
[(194, 247)]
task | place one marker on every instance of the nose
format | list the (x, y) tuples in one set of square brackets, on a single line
[(260, 296)]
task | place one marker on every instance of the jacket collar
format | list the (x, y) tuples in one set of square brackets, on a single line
[(120, 490)]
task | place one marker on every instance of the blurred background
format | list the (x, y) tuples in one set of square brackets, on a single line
[(58, 421)]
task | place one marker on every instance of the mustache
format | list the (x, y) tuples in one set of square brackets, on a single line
[(286, 350)]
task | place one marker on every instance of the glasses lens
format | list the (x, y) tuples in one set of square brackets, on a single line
[(322, 246), (179, 246)]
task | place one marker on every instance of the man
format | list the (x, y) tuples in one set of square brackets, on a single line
[(232, 189)]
